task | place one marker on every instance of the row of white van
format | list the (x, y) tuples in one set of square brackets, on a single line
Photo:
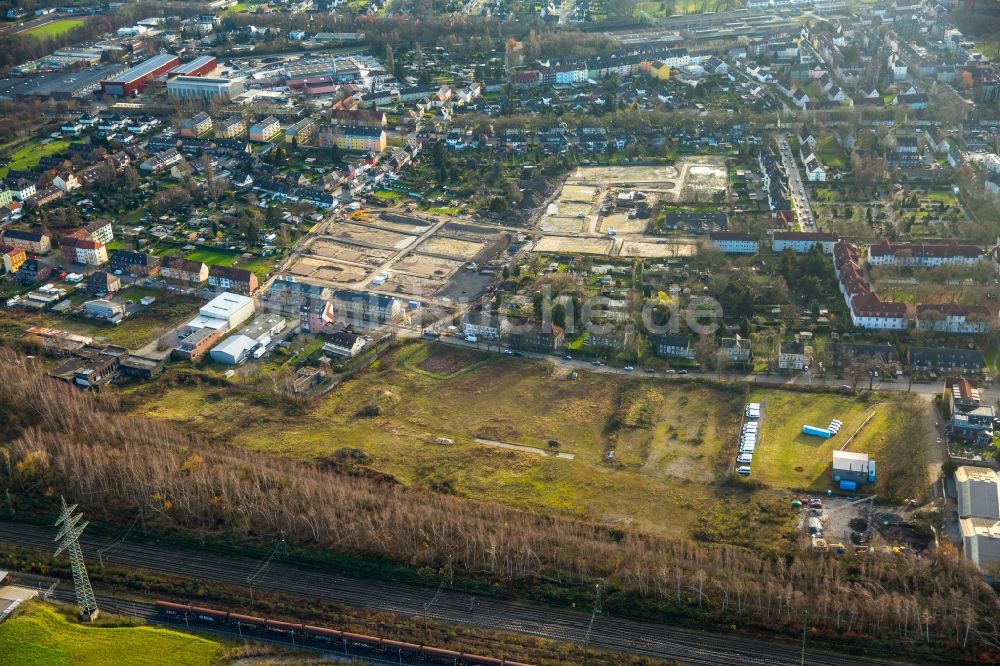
[(748, 438)]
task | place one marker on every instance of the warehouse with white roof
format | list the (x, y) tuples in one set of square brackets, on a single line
[(225, 312)]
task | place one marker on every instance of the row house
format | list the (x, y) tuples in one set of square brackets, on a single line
[(952, 318), (30, 241), (44, 197), (802, 242), (178, 269), (161, 161), (924, 255), (867, 309), (362, 307), (229, 278), (136, 264), (734, 243)]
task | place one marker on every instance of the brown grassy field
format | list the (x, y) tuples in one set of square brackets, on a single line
[(664, 469)]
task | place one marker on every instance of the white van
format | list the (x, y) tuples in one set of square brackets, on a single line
[(744, 470), (744, 458)]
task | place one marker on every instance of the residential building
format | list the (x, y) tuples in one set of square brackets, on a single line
[(32, 271), (355, 139), (196, 125), (736, 350), (66, 181), (100, 231), (615, 340), (536, 336), (230, 128), (801, 242), (953, 318), (925, 255), (844, 354), (734, 243), (178, 269), (871, 312), (342, 343), (265, 130), (793, 356), (30, 241), (301, 133), (357, 307), (488, 325), (674, 346), (79, 248), (136, 264), (358, 118), (100, 283), (12, 258), (944, 359), (229, 278)]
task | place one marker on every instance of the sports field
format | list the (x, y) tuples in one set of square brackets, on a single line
[(54, 28)]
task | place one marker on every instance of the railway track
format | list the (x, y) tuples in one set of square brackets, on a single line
[(445, 605)]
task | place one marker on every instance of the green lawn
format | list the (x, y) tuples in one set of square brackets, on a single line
[(41, 636), (28, 156), (830, 153), (55, 28), (211, 256), (785, 458)]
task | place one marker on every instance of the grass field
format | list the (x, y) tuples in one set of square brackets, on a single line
[(54, 28), (785, 458), (669, 452), (261, 266), (41, 636), (28, 156)]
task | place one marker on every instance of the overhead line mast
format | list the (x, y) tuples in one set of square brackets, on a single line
[(69, 540)]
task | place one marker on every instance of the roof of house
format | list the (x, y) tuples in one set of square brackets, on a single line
[(231, 273)]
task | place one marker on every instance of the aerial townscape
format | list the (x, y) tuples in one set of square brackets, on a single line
[(500, 332)]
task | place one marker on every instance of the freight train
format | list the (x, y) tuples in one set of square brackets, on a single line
[(333, 639)]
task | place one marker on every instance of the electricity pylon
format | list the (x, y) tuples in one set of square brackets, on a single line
[(69, 540)]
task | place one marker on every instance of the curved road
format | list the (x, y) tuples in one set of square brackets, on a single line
[(446, 605)]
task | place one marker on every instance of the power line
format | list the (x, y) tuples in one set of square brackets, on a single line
[(69, 540)]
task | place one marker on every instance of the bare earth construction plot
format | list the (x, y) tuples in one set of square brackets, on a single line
[(416, 256), (587, 207)]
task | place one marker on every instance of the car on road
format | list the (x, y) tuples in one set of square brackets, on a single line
[(650, 370), (508, 352), (682, 372), (628, 368)]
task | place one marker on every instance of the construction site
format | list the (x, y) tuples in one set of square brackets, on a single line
[(432, 259), (607, 211)]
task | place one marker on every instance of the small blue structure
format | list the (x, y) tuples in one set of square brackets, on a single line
[(816, 432), (848, 485), (871, 471)]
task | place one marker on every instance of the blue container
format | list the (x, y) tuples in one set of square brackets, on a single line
[(816, 432), (848, 485), (871, 471)]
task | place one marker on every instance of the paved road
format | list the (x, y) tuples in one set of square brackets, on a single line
[(926, 390), (445, 604), (798, 191)]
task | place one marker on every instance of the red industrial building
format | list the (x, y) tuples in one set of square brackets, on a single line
[(197, 67), (130, 82)]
